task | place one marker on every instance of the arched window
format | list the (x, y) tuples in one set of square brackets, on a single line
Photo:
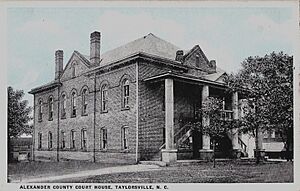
[(83, 139), (125, 92), (73, 104), (49, 140), (39, 140), (103, 138), (124, 137), (73, 70), (63, 106), (104, 98), (72, 140), (40, 110), (51, 108), (63, 139), (84, 102)]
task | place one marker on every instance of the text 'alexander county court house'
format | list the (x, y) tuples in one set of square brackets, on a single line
[(132, 103)]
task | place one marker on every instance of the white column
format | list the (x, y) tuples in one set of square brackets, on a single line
[(169, 112), (235, 109), (205, 120), (169, 155)]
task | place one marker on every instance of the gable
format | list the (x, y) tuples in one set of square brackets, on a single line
[(77, 62), (196, 59)]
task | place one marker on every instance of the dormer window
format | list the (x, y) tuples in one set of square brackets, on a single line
[(73, 70), (197, 61)]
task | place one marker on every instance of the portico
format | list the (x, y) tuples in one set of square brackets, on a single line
[(175, 133)]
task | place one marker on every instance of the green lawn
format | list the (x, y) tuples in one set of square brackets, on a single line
[(225, 172), (23, 170)]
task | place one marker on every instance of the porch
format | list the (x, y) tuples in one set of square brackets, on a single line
[(183, 97)]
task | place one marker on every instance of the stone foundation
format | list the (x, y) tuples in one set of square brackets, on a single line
[(206, 154), (169, 156)]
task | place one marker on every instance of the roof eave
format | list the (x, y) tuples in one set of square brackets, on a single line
[(43, 88)]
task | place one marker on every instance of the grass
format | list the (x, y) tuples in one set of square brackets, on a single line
[(225, 172), (35, 169)]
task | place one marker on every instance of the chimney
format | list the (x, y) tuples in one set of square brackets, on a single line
[(179, 55), (95, 48), (59, 63), (212, 65)]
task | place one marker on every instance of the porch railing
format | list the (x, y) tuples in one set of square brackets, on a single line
[(243, 145), (227, 115)]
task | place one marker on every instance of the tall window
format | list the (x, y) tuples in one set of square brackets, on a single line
[(124, 137), (72, 141), (51, 108), (83, 139), (84, 102), (40, 115), (104, 98), (103, 138), (73, 103), (49, 140), (63, 106), (125, 93), (63, 140), (39, 140), (73, 70)]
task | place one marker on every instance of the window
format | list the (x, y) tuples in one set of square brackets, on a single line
[(84, 102), (63, 106), (72, 141), (73, 103), (63, 140), (124, 137), (39, 140), (104, 99), (197, 61), (103, 138), (125, 103), (83, 139), (50, 108), (73, 70), (49, 140), (40, 115)]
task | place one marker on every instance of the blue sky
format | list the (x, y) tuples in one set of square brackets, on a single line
[(226, 34)]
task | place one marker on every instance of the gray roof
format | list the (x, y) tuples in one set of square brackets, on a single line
[(149, 44)]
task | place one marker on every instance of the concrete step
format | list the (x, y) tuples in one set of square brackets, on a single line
[(158, 163)]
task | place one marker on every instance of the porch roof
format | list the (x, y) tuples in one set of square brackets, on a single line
[(185, 78)]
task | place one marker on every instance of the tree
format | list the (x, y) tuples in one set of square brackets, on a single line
[(18, 115), (217, 127), (269, 84)]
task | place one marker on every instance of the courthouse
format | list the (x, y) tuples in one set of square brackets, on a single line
[(133, 103)]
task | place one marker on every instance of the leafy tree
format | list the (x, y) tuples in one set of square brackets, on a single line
[(218, 126), (269, 84), (18, 114)]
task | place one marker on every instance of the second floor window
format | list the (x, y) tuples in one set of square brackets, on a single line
[(125, 103), (49, 140), (104, 99), (50, 108), (63, 106), (40, 112), (73, 103), (84, 102)]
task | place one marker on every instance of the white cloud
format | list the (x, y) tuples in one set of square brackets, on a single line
[(41, 26), (118, 28), (271, 30)]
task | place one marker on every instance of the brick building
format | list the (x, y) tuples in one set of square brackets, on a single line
[(129, 104)]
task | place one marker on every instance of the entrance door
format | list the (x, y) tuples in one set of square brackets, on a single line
[(197, 143)]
